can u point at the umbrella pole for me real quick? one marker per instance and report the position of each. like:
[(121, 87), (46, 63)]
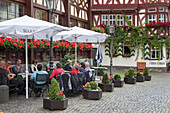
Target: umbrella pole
[(75, 50), (51, 56), (26, 54)]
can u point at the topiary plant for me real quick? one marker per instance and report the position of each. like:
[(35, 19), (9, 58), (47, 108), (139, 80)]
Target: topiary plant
[(146, 72), (130, 73), (93, 85), (105, 79), (117, 77), (53, 89), (138, 74)]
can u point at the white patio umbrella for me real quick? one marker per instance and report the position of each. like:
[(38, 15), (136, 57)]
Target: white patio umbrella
[(27, 27), (77, 34)]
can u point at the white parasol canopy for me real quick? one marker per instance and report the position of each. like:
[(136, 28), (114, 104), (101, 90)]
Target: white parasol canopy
[(77, 34), (27, 27)]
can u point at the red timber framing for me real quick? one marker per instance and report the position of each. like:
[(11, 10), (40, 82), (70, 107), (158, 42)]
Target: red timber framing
[(141, 11)]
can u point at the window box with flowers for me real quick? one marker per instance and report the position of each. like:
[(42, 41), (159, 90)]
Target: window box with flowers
[(56, 99), (92, 91), (129, 77), (117, 80), (106, 84)]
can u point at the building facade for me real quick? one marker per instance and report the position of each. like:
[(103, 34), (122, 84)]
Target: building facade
[(68, 13), (108, 12)]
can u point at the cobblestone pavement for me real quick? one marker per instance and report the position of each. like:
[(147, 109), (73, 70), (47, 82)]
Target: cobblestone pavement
[(148, 97)]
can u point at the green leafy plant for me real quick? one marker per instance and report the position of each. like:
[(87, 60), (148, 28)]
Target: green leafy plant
[(54, 91), (106, 79), (2, 57), (117, 77), (64, 60), (130, 73), (138, 74), (91, 86), (146, 72)]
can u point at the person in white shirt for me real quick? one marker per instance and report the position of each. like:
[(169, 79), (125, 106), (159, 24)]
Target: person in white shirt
[(34, 66)]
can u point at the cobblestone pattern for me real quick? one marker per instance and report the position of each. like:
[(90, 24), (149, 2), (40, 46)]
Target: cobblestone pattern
[(148, 97)]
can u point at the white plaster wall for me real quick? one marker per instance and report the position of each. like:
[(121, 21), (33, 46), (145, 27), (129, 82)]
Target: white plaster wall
[(130, 62)]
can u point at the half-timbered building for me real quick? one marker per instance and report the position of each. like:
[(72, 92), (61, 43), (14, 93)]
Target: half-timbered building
[(68, 13), (109, 12)]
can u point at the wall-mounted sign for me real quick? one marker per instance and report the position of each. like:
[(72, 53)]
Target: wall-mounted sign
[(157, 63)]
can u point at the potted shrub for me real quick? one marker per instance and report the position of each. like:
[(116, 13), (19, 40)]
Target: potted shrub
[(146, 74), (92, 91), (106, 84), (56, 99), (117, 81), (139, 77), (129, 77)]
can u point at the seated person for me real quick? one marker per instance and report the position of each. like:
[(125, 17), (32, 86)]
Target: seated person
[(18, 68), (57, 71), (69, 66), (48, 66), (8, 63), (87, 68), (11, 79), (82, 69), (78, 63), (75, 69), (33, 77), (34, 66)]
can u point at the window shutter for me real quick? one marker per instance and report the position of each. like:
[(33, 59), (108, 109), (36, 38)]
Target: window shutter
[(147, 52), (107, 49), (120, 49)]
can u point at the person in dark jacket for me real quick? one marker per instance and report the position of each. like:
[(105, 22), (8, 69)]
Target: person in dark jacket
[(82, 69), (69, 66)]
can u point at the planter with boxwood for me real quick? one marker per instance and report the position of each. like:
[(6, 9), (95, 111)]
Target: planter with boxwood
[(92, 91), (56, 99), (117, 81), (146, 74), (106, 84), (139, 77), (129, 77)]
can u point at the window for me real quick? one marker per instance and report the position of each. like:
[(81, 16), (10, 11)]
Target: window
[(155, 52), (112, 19), (119, 20), (105, 19), (130, 19), (61, 20), (40, 14), (56, 19), (161, 17), (152, 18), (82, 24), (126, 50), (72, 23), (10, 10), (161, 9), (166, 17), (152, 10)]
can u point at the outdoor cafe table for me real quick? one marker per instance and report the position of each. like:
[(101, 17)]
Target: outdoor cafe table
[(97, 69), (22, 76)]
